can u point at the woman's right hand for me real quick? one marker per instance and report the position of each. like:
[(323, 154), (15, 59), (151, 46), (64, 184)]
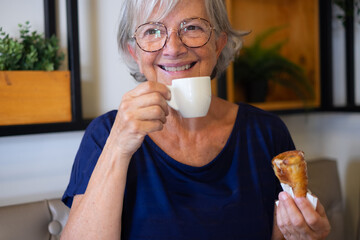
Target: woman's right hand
[(142, 110), (97, 213)]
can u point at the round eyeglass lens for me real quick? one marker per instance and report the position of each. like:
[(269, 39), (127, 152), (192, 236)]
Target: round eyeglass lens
[(195, 32), (151, 36)]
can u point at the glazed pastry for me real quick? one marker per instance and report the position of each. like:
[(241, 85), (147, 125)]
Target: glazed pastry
[(290, 168)]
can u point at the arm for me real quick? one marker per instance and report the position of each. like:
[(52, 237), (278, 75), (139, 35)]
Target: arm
[(297, 219), (97, 213)]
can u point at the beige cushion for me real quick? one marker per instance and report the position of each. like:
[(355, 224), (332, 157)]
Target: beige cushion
[(358, 230), (325, 184), (33, 221)]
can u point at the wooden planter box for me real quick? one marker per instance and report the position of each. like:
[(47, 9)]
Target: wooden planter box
[(33, 97)]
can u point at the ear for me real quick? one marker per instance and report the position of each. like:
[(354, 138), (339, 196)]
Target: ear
[(132, 52), (221, 43)]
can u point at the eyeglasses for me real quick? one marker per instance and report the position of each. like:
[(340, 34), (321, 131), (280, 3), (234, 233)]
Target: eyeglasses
[(193, 33)]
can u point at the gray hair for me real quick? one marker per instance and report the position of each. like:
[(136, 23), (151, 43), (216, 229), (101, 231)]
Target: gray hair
[(135, 12)]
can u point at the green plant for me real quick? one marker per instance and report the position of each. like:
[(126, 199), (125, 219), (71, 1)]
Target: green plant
[(256, 65), (348, 11), (31, 52)]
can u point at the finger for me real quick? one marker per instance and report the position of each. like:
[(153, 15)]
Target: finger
[(151, 99), (297, 226), (140, 128), (132, 107), (311, 217), (326, 228), (148, 87), (151, 113), (282, 216), (152, 126), (297, 219), (315, 219), (133, 118), (284, 223)]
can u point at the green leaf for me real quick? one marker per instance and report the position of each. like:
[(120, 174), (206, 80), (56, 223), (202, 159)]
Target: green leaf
[(31, 52), (264, 64)]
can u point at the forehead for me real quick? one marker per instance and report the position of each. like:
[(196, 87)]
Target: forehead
[(178, 10)]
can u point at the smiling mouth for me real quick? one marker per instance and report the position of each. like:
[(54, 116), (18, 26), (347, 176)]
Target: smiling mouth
[(177, 69)]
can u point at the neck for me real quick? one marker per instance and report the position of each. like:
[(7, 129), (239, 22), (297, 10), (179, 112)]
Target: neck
[(196, 141), (178, 125), (175, 120)]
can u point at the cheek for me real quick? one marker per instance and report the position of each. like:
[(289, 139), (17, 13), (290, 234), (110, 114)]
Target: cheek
[(212, 58), (213, 54)]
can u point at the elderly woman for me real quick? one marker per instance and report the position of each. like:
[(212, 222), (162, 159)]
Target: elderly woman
[(145, 172)]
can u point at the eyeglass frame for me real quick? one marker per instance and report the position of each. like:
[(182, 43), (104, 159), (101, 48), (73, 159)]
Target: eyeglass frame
[(178, 33)]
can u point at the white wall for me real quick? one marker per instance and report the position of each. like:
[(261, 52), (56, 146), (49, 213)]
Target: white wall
[(37, 166)]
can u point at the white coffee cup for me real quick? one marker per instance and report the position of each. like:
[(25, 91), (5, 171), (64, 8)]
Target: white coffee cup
[(191, 96)]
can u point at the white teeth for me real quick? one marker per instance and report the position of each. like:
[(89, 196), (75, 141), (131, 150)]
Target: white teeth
[(176, 69)]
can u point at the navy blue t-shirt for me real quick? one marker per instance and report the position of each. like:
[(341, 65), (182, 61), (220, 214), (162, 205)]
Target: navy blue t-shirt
[(232, 197)]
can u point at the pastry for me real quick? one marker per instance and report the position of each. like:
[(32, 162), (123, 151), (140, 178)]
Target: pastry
[(290, 168)]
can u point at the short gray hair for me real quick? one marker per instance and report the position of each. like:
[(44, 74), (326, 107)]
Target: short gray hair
[(135, 12)]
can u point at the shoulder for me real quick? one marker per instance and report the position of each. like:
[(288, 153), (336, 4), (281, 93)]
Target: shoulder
[(87, 155), (265, 126), (251, 110), (104, 121), (96, 134), (256, 115), (101, 125)]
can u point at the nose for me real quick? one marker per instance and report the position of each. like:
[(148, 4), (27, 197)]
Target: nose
[(174, 45)]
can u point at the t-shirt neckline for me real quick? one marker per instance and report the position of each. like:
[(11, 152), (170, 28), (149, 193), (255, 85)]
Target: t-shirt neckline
[(205, 167)]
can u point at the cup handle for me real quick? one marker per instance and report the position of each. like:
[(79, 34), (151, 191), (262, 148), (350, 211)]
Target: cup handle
[(172, 102)]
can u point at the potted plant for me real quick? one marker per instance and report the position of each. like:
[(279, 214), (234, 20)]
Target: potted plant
[(347, 10), (32, 90), (257, 65)]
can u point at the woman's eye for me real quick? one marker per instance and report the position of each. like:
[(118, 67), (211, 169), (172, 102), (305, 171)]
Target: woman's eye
[(152, 32), (192, 28)]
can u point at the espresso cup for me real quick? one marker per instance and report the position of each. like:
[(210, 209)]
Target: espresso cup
[(191, 96)]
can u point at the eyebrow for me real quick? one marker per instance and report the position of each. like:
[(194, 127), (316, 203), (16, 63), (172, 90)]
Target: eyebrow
[(190, 18)]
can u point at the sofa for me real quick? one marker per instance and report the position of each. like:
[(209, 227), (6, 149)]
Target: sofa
[(325, 184), (45, 219), (33, 221)]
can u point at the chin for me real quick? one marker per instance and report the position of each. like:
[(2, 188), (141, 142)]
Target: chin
[(169, 76)]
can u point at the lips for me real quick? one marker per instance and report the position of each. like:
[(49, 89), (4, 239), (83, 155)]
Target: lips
[(177, 68)]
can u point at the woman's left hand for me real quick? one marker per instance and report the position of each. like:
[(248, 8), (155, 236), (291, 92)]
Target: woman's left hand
[(297, 219)]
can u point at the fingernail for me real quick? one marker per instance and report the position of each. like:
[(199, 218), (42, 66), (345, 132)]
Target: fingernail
[(299, 200), (283, 196)]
